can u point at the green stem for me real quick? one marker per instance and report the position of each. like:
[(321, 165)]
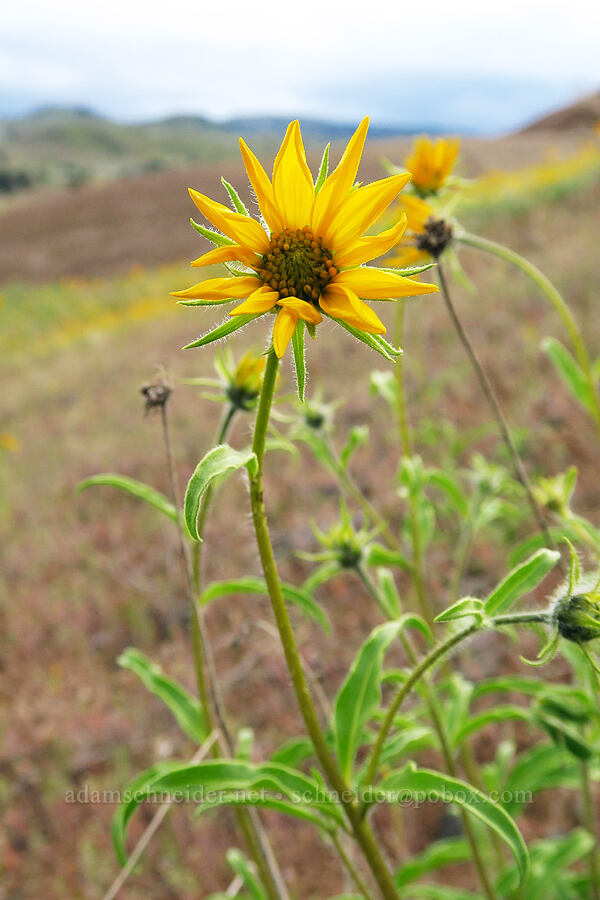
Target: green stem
[(248, 821), (590, 824), (555, 298), (490, 395), (435, 656), (418, 574), (351, 868), (362, 832)]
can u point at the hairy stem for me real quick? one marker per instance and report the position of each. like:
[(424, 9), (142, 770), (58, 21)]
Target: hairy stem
[(361, 830), (248, 821), (490, 395)]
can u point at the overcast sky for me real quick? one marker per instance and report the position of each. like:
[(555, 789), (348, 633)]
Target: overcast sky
[(459, 63)]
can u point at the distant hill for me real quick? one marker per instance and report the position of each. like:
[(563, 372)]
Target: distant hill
[(71, 146), (584, 114)]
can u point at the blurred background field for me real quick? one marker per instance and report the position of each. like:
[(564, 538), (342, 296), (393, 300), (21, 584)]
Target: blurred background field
[(85, 318)]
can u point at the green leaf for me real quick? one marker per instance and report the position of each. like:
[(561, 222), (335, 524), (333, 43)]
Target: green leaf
[(504, 713), (218, 239), (543, 767), (407, 271), (389, 593), (360, 694), (570, 372), (240, 865), (538, 541), (299, 360), (226, 328), (181, 703), (221, 460), (437, 855), (521, 580), (441, 892), (384, 384), (252, 585), (230, 781), (564, 734), (357, 437), (444, 482), (323, 170), (378, 555), (135, 489), (205, 302), (293, 752), (550, 861), (236, 202), (467, 606), (452, 790), (374, 341)]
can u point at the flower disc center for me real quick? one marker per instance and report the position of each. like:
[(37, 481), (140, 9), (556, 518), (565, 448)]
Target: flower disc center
[(297, 265)]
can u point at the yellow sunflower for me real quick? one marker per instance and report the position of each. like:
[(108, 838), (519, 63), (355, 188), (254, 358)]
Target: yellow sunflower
[(431, 162), (308, 258), (426, 235)]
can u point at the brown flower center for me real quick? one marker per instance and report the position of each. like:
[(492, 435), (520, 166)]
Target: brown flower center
[(435, 237), (297, 265)]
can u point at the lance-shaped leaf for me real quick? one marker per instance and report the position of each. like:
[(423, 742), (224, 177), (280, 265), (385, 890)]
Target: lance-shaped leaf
[(467, 606), (135, 489), (323, 170), (437, 855), (521, 580), (240, 865), (252, 585), (214, 782), (218, 239), (221, 460), (226, 328), (299, 358), (180, 702), (360, 694), (570, 372), (236, 201), (374, 341), (412, 780)]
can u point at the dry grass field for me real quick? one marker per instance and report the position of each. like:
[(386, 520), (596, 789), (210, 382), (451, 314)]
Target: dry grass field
[(84, 576)]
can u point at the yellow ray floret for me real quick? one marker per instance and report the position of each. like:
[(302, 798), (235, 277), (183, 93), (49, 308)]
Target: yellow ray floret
[(311, 259), (431, 162)]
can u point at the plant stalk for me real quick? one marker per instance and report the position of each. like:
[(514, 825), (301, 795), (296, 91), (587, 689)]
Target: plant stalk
[(490, 395), (248, 821), (361, 829)]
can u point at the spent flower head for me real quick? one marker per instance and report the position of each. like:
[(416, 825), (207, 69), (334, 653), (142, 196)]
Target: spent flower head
[(431, 163), (306, 258), (427, 233)]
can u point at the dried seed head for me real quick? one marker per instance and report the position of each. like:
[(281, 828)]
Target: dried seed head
[(435, 237), (157, 392)]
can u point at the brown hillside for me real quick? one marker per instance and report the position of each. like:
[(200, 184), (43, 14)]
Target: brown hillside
[(584, 114)]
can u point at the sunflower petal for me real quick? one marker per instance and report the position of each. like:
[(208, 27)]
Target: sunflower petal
[(373, 284), (262, 188), (262, 300), (339, 184), (364, 205), (301, 308), (219, 288), (242, 229), (293, 187), (226, 254), (364, 249), (342, 303), (283, 329)]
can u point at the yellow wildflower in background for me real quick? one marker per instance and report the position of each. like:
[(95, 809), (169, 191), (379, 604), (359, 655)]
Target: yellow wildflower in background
[(426, 236), (311, 259), (431, 162), (9, 442)]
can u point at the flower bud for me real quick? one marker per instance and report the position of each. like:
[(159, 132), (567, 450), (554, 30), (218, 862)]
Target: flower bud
[(244, 381), (578, 617)]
